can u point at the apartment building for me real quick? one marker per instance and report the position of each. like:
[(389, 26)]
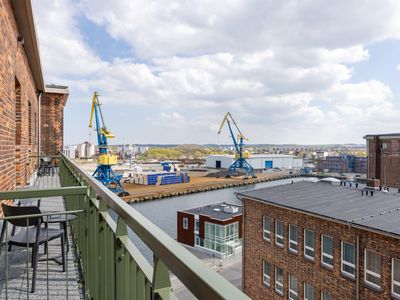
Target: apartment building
[(30, 112), (343, 164), (215, 229), (321, 241), (383, 158)]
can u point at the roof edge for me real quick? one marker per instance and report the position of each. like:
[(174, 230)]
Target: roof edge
[(26, 24)]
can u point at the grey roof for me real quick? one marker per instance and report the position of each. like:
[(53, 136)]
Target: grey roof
[(210, 211), (380, 211), (383, 135)]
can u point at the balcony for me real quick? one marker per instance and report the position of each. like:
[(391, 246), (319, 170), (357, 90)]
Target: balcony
[(102, 263)]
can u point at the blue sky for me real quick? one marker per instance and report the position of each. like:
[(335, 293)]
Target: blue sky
[(168, 73)]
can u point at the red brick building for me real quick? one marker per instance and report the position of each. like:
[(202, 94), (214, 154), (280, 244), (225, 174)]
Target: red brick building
[(320, 241), (21, 90), (214, 229), (383, 152)]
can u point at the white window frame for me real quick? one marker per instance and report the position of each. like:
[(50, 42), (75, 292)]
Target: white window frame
[(322, 295), (293, 291), (371, 272), (277, 236), (395, 282), (308, 247), (185, 223), (346, 262), (267, 232), (267, 276), (305, 283), (293, 241), (277, 283), (325, 254)]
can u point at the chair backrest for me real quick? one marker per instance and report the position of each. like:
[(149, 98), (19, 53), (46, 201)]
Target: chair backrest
[(12, 211)]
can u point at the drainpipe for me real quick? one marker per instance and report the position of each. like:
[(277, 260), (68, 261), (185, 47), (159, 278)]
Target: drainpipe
[(39, 126), (358, 268)]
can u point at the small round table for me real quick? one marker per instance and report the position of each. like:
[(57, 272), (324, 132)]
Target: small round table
[(62, 219)]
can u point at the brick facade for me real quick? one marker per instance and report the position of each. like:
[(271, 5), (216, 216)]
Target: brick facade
[(384, 159), (52, 123), (17, 93), (19, 111), (256, 250)]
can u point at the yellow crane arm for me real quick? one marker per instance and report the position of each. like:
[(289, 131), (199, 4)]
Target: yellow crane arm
[(223, 122), (92, 111), (225, 119)]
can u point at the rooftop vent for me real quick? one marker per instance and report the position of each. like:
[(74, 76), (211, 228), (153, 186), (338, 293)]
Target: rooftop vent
[(216, 209), (231, 209)]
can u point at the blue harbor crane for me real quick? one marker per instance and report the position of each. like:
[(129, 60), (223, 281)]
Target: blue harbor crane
[(104, 172), (241, 154)]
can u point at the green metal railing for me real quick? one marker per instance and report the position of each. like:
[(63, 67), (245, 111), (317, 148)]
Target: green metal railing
[(113, 268), (33, 193)]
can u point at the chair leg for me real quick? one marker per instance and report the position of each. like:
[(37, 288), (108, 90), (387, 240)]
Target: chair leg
[(35, 249), (3, 232), (33, 257), (63, 251), (46, 244), (64, 226)]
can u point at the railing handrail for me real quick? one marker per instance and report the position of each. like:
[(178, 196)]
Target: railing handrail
[(42, 193), (53, 213), (197, 277)]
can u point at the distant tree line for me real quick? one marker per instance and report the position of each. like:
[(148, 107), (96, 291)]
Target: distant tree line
[(176, 153)]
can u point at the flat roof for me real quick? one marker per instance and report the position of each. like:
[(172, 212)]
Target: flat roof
[(382, 136), (344, 204), (216, 211), (258, 156)]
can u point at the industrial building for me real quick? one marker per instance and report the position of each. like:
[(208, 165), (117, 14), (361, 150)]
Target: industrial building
[(215, 229), (383, 158), (321, 241), (258, 162)]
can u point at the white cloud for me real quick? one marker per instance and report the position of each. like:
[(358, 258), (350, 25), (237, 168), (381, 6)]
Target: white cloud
[(282, 68)]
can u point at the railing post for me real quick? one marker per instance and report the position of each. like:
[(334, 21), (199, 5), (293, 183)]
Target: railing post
[(161, 281), (120, 260)]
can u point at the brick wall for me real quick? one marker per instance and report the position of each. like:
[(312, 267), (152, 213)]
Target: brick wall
[(256, 249), (52, 123), (19, 109), (17, 89), (384, 160)]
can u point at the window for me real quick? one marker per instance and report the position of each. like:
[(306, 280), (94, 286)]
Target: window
[(185, 223), (267, 273), (293, 238), (279, 280), (218, 237), (308, 292), (327, 251), (326, 296), (348, 259), (279, 233), (267, 228), (293, 287), (196, 224), (309, 244), (396, 277), (372, 268)]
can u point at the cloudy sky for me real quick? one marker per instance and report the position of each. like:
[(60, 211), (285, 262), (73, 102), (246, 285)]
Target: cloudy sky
[(306, 72)]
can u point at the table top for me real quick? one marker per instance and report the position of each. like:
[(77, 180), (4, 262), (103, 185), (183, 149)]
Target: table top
[(59, 218)]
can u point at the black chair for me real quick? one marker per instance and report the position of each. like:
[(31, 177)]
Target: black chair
[(31, 237)]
